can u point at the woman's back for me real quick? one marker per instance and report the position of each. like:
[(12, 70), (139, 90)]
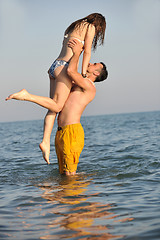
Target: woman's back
[(79, 34)]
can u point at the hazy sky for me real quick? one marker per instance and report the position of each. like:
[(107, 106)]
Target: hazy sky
[(31, 34)]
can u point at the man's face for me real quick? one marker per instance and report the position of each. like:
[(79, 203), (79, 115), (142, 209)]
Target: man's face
[(92, 67)]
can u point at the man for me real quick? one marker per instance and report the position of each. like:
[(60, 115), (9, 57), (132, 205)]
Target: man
[(69, 140)]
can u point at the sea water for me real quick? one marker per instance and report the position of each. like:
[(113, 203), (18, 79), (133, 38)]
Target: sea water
[(114, 195)]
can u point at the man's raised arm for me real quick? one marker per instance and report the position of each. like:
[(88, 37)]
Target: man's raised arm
[(72, 69)]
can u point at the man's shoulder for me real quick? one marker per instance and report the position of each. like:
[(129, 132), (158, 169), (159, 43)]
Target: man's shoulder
[(90, 85)]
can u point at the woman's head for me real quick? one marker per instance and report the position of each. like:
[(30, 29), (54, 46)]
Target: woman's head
[(98, 20)]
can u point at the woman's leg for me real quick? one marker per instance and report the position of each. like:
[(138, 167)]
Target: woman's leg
[(45, 102), (63, 86), (48, 126)]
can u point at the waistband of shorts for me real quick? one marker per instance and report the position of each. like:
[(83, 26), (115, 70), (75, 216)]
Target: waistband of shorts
[(68, 126)]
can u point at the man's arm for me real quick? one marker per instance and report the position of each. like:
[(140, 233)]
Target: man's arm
[(72, 69)]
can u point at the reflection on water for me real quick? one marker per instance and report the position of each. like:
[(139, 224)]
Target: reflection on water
[(63, 208), (76, 213)]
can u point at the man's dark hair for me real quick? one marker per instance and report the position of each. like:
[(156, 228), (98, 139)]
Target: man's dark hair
[(103, 75)]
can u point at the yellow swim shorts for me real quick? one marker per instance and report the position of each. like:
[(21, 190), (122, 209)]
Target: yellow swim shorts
[(69, 143)]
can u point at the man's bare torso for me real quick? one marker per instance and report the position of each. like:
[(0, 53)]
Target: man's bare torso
[(77, 101)]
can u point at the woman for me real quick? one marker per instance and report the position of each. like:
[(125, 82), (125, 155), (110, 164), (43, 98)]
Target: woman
[(89, 31)]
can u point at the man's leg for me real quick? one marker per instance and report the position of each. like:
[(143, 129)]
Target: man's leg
[(70, 173), (70, 143), (76, 135)]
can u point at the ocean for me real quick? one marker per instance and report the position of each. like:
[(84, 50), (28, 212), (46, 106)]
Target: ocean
[(114, 195)]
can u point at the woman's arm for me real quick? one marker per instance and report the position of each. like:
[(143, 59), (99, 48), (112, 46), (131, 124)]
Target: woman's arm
[(72, 69), (87, 47)]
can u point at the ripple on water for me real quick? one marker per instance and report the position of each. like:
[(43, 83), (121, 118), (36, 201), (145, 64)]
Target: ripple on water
[(115, 194)]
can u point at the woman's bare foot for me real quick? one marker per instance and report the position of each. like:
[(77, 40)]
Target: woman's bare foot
[(45, 148), (21, 95)]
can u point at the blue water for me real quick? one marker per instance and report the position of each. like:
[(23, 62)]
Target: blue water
[(115, 194)]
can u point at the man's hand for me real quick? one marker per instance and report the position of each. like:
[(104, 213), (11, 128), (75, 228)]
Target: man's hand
[(76, 46)]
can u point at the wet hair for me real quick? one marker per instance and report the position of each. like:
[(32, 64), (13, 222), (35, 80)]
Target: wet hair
[(98, 20), (103, 74)]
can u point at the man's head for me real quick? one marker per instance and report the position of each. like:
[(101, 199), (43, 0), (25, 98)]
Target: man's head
[(98, 71)]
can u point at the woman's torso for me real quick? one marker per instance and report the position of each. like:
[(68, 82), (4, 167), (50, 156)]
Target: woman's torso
[(79, 34)]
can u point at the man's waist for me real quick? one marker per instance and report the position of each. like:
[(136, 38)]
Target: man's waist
[(67, 126)]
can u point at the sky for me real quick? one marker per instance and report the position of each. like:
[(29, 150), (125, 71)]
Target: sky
[(31, 34)]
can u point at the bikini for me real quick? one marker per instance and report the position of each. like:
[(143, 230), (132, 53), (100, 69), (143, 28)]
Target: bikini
[(66, 36), (58, 63), (55, 64)]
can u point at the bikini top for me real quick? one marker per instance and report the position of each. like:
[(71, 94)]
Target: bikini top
[(66, 36)]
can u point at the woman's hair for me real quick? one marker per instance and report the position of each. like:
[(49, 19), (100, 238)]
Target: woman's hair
[(98, 20)]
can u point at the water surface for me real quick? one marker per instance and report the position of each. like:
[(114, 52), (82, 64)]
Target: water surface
[(115, 194)]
